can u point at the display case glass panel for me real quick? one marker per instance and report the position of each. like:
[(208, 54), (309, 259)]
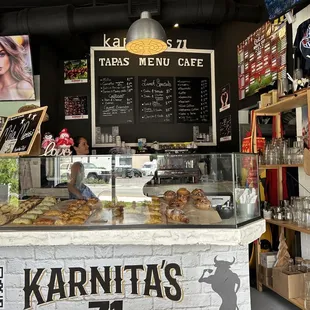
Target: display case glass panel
[(129, 191)]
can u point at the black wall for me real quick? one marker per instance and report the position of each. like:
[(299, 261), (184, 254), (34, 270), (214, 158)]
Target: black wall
[(54, 52), (227, 37)]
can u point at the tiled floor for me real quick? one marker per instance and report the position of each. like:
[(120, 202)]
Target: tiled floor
[(268, 300)]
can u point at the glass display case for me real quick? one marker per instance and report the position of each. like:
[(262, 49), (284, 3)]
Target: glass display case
[(132, 191)]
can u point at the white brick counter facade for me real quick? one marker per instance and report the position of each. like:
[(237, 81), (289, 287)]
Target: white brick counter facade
[(222, 264), (184, 236)]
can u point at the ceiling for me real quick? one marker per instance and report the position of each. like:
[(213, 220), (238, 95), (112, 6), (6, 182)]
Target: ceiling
[(61, 17), (19, 4)]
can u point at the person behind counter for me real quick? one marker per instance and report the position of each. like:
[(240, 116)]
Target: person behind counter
[(80, 146), (77, 189)]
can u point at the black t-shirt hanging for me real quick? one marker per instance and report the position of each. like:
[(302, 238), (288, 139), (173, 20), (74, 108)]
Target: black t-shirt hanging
[(302, 45)]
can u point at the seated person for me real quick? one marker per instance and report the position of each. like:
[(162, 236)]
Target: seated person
[(77, 189)]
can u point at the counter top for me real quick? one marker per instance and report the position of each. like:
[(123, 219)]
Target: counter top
[(184, 236)]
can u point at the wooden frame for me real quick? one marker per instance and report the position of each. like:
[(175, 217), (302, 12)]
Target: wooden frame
[(34, 147)]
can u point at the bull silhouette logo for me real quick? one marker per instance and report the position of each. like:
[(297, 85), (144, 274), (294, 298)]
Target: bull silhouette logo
[(224, 282)]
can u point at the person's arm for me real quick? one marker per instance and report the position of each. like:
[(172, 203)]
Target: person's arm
[(71, 185)]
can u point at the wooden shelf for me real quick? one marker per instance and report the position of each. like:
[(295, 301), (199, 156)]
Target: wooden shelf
[(288, 103), (280, 166), (298, 302), (289, 225)]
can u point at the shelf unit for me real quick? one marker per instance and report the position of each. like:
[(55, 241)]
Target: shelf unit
[(289, 225), (299, 302), (288, 103)]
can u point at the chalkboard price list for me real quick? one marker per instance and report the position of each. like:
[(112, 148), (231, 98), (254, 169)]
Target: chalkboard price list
[(193, 100), (116, 99), (156, 99)]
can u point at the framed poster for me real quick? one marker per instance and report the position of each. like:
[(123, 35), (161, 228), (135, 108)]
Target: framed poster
[(75, 71), (225, 98), (262, 59), (75, 107), (225, 129)]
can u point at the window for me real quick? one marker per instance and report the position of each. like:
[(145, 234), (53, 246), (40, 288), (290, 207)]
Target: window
[(125, 161)]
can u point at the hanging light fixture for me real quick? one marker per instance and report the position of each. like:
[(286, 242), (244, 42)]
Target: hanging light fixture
[(146, 36)]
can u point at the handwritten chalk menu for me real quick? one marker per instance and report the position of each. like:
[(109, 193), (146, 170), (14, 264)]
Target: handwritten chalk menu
[(116, 100), (192, 100), (156, 99), (20, 132)]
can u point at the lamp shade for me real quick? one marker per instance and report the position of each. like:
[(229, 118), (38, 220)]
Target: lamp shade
[(146, 36)]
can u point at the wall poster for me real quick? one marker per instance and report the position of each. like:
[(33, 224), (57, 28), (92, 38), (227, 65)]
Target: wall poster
[(225, 98), (262, 59), (75, 71), (75, 107), (225, 129)]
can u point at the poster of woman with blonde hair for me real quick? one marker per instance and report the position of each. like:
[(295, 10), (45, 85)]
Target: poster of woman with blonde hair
[(16, 79)]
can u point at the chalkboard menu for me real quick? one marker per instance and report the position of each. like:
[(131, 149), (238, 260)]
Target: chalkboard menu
[(20, 131), (170, 93), (156, 102), (116, 100), (192, 100)]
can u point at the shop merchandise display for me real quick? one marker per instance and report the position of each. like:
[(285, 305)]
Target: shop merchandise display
[(64, 140), (295, 211), (283, 255), (47, 140), (279, 151)]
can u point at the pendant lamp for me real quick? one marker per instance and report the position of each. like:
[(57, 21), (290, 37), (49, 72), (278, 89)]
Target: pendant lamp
[(146, 36)]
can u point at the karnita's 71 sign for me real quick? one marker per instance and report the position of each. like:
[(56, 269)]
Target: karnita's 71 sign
[(103, 280)]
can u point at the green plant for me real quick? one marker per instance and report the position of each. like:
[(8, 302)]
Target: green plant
[(9, 173)]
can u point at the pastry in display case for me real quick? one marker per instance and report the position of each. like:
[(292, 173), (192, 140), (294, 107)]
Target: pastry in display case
[(210, 190)]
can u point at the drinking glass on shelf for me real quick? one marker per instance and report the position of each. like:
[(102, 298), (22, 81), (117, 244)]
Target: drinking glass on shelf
[(306, 206), (267, 154), (297, 209), (285, 152)]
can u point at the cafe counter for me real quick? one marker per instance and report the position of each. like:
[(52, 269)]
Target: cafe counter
[(128, 269)]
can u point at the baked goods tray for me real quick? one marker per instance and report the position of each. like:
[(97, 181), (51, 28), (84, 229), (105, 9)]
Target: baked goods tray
[(60, 207)]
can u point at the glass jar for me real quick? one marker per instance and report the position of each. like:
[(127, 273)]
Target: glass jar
[(298, 263)]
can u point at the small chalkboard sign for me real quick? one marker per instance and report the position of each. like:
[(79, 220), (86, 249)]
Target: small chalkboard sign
[(193, 99), (20, 134), (156, 99), (116, 100)]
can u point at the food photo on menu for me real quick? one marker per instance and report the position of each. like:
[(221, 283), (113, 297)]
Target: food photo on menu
[(75, 71), (75, 107), (16, 76)]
